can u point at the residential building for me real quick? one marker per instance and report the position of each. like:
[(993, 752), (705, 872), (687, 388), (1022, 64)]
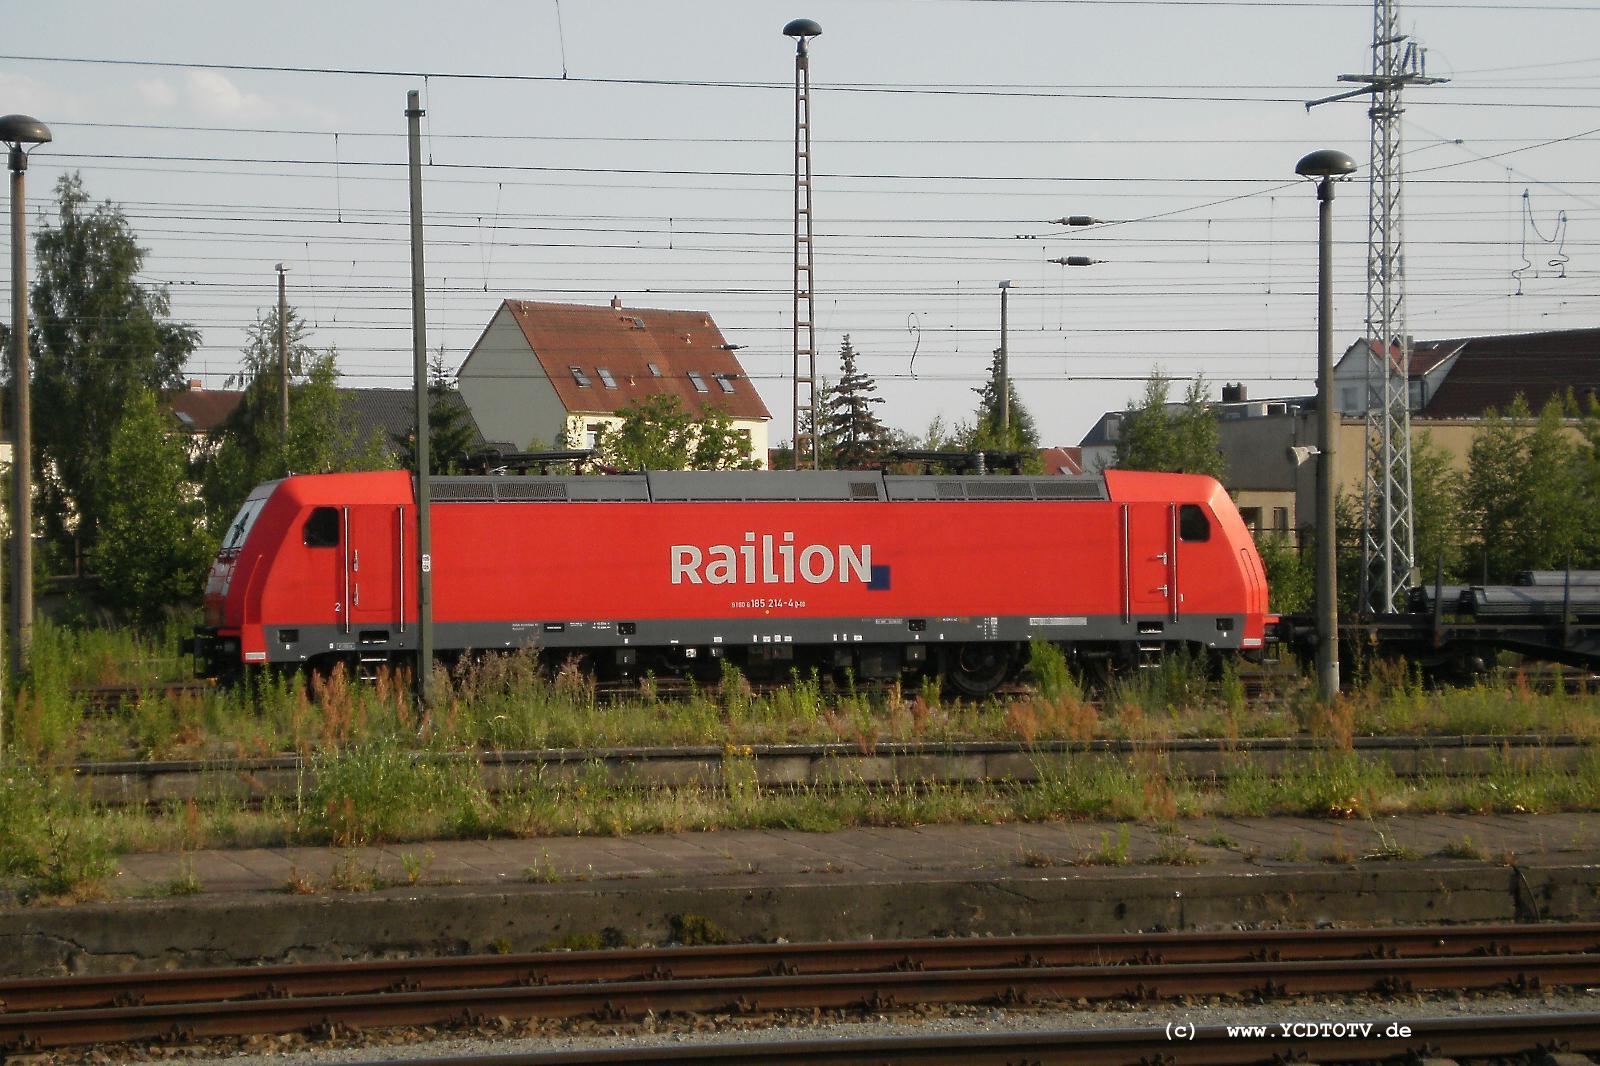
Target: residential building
[(547, 372), (1452, 385), (387, 415), (390, 415), (1062, 461), (1465, 377), (200, 412)]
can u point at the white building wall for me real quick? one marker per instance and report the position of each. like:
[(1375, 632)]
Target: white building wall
[(506, 389)]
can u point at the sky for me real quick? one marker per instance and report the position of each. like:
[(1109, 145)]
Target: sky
[(579, 149)]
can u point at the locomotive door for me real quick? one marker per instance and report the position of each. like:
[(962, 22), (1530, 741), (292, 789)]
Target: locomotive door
[(1149, 560), (372, 565)]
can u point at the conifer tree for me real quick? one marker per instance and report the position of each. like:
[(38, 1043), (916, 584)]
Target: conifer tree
[(1021, 435), (851, 431), (450, 435)]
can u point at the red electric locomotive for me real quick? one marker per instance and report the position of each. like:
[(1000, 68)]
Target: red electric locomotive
[(673, 571)]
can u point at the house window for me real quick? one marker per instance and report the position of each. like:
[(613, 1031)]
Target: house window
[(698, 382), (1349, 403), (1252, 518), (606, 378), (580, 377), (1280, 519), (655, 371), (725, 381), (591, 434)]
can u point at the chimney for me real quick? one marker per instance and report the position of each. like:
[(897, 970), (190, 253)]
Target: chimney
[(196, 384), (1234, 393), (616, 303)]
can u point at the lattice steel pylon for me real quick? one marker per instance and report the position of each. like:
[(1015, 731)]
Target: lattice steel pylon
[(805, 320), (1388, 539)]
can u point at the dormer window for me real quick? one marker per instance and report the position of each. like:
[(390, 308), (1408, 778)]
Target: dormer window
[(725, 382), (698, 382), (580, 377), (606, 378), (655, 371)]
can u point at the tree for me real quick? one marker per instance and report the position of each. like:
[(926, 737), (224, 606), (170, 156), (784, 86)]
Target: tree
[(986, 433), (152, 551), (1187, 441), (1291, 573), (1436, 511), (1588, 414), (656, 433), (1524, 492), (250, 448), (450, 434), (100, 338), (854, 435)]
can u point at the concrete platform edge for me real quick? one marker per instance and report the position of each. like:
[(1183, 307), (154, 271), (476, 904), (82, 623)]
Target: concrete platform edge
[(261, 928)]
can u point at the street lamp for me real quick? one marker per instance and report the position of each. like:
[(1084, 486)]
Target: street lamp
[(17, 131), (1326, 167), (804, 318)]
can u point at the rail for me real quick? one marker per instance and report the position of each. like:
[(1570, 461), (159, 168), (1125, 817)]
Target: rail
[(874, 976)]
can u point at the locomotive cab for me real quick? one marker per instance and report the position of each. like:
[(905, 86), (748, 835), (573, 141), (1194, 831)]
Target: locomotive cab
[(309, 567)]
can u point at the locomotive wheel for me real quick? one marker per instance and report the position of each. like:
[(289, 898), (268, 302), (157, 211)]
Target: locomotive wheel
[(976, 670)]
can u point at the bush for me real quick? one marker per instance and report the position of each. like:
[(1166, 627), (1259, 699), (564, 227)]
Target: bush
[(50, 844)]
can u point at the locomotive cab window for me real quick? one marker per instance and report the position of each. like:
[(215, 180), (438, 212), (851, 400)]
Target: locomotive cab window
[(322, 528), (1193, 525)]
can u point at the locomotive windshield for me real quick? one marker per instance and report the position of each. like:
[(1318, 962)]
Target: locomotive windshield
[(239, 528)]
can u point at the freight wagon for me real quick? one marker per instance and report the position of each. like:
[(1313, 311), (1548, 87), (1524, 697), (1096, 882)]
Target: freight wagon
[(881, 575)]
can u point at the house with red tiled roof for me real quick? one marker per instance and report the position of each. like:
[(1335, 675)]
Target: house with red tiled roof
[(543, 372), (199, 410), (1430, 363), (1063, 461), (1467, 376)]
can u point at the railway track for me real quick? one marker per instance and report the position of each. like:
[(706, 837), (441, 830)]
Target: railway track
[(745, 979), (253, 780)]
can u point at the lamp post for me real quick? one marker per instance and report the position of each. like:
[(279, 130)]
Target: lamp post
[(804, 317), (17, 131), (1326, 167)]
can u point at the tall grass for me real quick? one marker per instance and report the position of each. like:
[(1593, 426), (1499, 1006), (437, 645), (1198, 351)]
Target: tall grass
[(511, 701), (49, 845)]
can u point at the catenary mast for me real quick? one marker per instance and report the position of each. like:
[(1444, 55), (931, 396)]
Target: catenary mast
[(1388, 539)]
